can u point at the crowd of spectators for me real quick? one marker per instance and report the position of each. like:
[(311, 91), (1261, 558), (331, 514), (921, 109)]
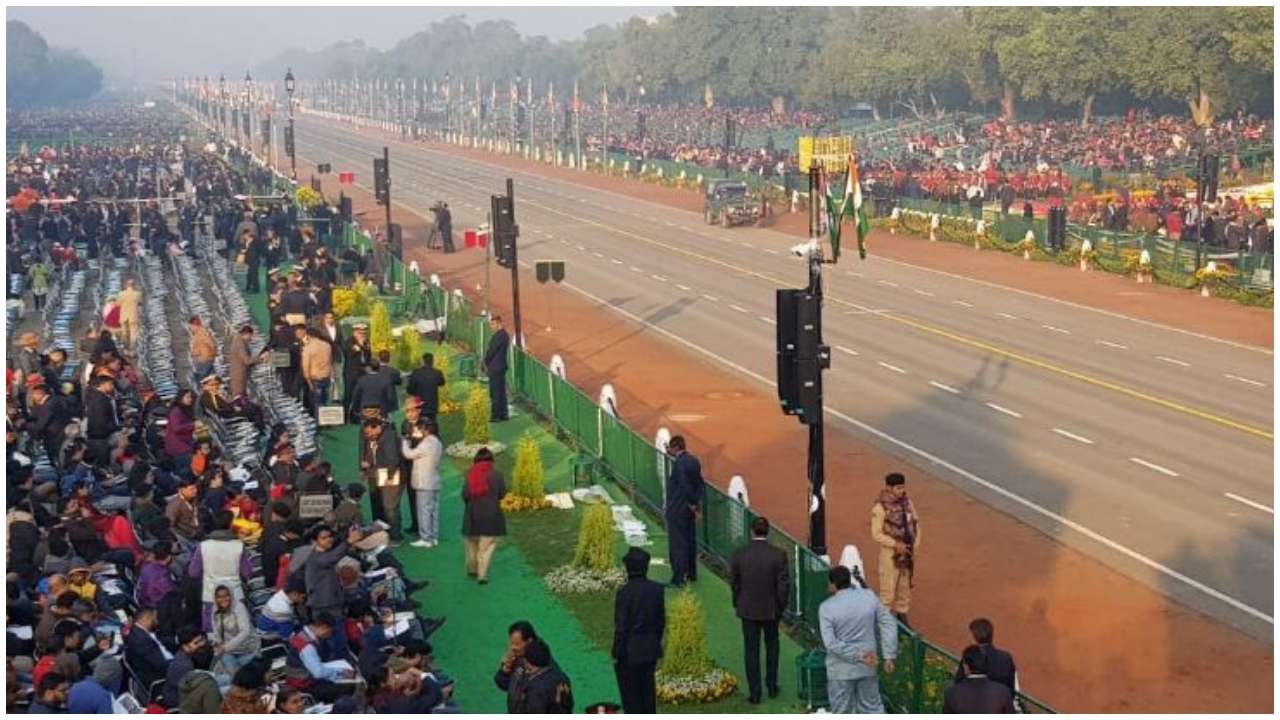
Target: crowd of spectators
[(147, 566)]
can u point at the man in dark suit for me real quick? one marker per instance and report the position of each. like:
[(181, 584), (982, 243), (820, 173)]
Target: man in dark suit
[(424, 384), (356, 356), (495, 366), (977, 694), (1000, 666), (685, 489), (147, 657), (639, 619), (100, 412), (758, 579)]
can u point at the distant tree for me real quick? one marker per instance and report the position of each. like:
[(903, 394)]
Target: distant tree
[(1214, 59), (27, 63), (39, 75)]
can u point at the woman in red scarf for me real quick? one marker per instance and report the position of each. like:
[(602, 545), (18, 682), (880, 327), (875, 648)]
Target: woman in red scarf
[(482, 519)]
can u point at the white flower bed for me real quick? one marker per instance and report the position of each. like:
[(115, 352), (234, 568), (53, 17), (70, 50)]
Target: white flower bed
[(462, 449), (570, 580), (714, 686)]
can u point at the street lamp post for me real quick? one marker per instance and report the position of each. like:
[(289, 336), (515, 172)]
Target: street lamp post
[(222, 103), (246, 116), (293, 138)]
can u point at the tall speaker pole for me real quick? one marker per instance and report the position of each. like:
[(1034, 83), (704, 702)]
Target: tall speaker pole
[(816, 468), (515, 271)]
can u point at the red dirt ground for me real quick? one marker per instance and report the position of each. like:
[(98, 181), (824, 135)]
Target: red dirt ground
[(1087, 639)]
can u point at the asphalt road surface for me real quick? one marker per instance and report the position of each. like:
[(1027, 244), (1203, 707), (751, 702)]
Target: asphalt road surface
[(1147, 447)]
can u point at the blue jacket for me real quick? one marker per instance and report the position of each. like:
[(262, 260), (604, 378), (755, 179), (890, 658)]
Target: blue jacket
[(685, 485), (87, 697), (848, 621), (495, 356)]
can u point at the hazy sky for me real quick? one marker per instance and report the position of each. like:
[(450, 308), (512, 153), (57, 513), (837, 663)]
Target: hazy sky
[(160, 42)]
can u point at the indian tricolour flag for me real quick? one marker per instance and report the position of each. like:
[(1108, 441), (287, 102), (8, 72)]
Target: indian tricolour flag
[(852, 207)]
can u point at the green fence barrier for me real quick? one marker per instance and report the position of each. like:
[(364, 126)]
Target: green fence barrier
[(1172, 261), (922, 671)]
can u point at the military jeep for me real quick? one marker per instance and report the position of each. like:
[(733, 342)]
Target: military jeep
[(727, 203)]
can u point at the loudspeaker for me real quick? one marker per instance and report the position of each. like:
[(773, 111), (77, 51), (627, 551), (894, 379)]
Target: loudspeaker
[(809, 358), (381, 183), (786, 316), (344, 210), (1208, 180)]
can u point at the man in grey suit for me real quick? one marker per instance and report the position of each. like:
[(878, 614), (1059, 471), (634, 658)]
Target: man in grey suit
[(848, 621)]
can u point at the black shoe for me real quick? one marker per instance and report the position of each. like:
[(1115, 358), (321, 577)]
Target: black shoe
[(674, 585), (753, 700), (431, 625), (484, 581), (414, 586), (774, 692)]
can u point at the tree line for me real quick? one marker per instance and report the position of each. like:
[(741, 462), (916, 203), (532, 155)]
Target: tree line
[(918, 61), (40, 75)]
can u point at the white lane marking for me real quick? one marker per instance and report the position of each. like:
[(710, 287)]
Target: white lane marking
[(685, 228), (1007, 316), (686, 288), (887, 282), (748, 245), (846, 351), (615, 261), (564, 242), (583, 248), (738, 308), (1173, 361), (1237, 378), (1078, 306), (1002, 409), (926, 293), (941, 386), (597, 254), (771, 251), (856, 274), (1073, 436), (894, 368), (712, 298), (1110, 344), (1250, 503), (1153, 466), (769, 320), (961, 303), (1031, 505), (553, 237), (636, 269), (659, 278), (1052, 328), (978, 480)]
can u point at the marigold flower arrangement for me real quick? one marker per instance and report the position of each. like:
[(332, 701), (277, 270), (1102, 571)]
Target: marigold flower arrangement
[(687, 674)]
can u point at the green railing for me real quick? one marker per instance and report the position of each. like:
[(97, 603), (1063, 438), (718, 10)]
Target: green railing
[(639, 468), (1172, 262)]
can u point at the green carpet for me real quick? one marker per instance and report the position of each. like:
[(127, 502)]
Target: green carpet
[(578, 629)]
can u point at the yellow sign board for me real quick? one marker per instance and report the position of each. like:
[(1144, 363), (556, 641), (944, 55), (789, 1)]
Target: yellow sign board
[(832, 153)]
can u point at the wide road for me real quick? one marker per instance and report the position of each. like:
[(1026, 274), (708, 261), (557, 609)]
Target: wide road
[(1148, 447)]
